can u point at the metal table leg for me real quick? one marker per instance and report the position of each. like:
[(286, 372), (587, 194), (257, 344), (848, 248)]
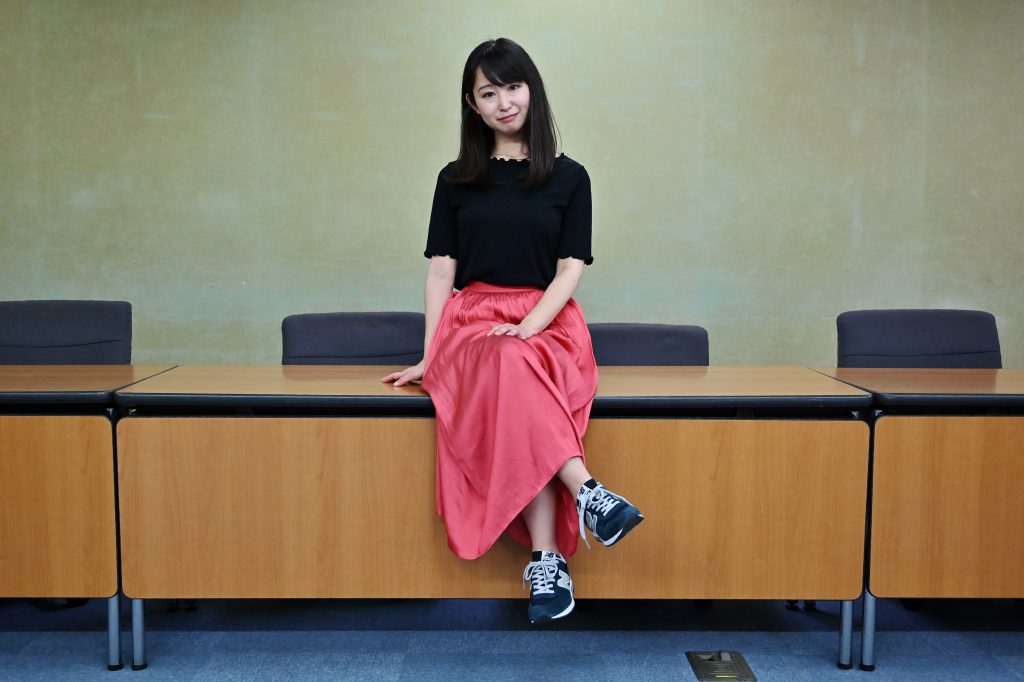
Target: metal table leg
[(845, 634), (114, 633), (138, 636), (867, 647)]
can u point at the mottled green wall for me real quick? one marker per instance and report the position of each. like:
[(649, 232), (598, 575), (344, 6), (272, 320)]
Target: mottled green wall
[(757, 166)]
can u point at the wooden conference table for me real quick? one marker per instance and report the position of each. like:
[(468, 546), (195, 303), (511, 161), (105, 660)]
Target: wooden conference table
[(58, 533), (318, 482), (948, 485)]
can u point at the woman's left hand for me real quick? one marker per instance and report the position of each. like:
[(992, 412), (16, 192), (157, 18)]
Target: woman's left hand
[(521, 330)]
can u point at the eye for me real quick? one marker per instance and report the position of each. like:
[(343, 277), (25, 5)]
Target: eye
[(488, 94), (515, 86)]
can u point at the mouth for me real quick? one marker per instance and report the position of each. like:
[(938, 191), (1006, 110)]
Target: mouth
[(509, 118)]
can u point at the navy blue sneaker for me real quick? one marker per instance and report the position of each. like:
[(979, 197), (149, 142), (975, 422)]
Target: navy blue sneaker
[(550, 587), (608, 516)]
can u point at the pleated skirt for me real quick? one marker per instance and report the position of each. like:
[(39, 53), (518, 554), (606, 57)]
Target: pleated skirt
[(510, 413)]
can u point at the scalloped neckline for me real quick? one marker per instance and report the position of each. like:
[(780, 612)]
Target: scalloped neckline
[(495, 158)]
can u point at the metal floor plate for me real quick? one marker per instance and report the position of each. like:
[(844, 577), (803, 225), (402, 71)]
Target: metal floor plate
[(716, 666)]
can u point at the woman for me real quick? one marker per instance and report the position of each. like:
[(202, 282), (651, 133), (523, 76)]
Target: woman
[(507, 357)]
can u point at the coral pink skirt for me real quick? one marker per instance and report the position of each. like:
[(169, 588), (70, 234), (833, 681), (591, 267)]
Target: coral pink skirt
[(510, 413)]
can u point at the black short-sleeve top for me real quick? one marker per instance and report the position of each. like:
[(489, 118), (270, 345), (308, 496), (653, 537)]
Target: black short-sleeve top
[(504, 234)]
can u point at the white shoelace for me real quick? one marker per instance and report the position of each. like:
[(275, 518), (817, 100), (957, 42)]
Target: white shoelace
[(599, 500), (541, 575)]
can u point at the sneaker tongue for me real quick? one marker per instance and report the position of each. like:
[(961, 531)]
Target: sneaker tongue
[(549, 555)]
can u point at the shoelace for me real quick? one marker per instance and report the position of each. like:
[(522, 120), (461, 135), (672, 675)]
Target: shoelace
[(541, 575), (597, 499)]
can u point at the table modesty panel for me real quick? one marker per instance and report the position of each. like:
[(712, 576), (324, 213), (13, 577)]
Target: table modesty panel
[(57, 518), (948, 507), (220, 507)]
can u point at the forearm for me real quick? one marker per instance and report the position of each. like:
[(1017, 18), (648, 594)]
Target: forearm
[(438, 289), (558, 293)]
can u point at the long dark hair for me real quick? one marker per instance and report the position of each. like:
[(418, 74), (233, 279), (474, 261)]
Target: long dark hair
[(503, 61)]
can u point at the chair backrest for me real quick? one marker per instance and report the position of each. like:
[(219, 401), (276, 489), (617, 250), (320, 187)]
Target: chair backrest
[(622, 343), (918, 338), (65, 332), (352, 339)]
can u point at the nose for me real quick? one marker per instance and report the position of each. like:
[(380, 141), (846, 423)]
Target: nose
[(504, 101)]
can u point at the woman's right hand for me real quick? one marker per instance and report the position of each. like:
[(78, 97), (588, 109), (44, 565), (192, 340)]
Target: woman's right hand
[(406, 376)]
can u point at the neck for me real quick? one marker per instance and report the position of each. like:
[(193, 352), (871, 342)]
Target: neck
[(510, 147)]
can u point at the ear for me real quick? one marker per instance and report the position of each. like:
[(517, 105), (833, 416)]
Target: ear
[(471, 103)]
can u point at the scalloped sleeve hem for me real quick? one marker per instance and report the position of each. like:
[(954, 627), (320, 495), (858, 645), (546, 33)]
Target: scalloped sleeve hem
[(587, 260)]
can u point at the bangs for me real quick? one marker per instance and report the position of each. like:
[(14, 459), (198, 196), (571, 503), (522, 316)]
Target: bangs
[(502, 68)]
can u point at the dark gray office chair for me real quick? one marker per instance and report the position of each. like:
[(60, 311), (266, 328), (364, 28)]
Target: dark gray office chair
[(65, 333), (352, 339), (918, 338), (626, 343)]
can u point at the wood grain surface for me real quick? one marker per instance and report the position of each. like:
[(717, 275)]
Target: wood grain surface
[(72, 378), (251, 507), (948, 507), (719, 381), (345, 380), (57, 526), (363, 380), (933, 381)]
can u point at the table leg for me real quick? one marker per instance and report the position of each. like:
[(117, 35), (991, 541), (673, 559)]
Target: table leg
[(114, 633), (867, 647), (845, 634), (138, 636)]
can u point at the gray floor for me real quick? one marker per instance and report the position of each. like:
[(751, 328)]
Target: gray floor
[(487, 639)]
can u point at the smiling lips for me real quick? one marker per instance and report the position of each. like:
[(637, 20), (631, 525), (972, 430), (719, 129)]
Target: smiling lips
[(508, 119)]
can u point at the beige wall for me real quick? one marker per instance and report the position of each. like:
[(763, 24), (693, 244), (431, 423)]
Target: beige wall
[(758, 167)]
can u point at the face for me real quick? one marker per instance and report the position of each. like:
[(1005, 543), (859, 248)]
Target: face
[(502, 107)]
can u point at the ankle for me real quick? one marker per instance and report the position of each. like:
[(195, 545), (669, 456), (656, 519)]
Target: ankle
[(573, 473)]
